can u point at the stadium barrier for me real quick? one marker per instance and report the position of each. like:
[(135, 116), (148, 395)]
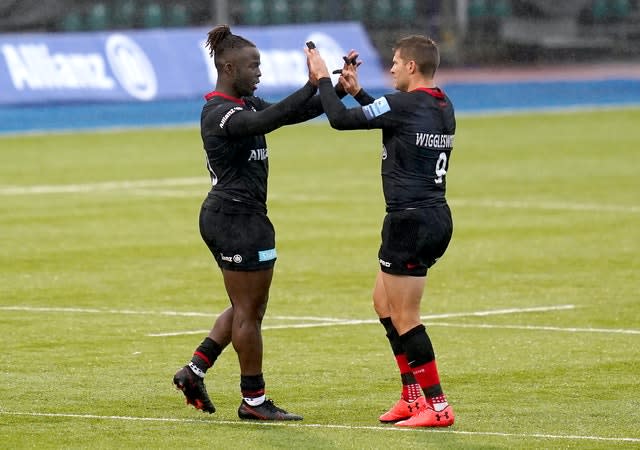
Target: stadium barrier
[(124, 79), (163, 64)]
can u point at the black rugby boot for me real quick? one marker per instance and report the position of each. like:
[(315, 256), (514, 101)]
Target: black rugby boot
[(265, 411), (193, 388)]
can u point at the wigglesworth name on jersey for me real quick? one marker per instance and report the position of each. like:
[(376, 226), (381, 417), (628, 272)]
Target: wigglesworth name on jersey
[(434, 140)]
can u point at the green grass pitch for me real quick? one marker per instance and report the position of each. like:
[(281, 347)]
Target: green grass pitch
[(106, 289)]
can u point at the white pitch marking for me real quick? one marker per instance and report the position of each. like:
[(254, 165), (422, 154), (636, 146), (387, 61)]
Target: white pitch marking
[(150, 313), (330, 321), (560, 206), (319, 425), (145, 187), (320, 321), (493, 312), (537, 327), (105, 129), (148, 192), (101, 186), (336, 322), (104, 311), (333, 323), (431, 324)]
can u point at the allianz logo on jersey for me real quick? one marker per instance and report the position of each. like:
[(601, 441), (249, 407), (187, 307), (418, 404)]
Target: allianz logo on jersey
[(258, 154), (36, 67)]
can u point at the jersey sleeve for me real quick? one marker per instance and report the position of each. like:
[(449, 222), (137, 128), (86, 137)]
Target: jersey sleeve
[(238, 121), (313, 108), (363, 97), (377, 114), (310, 110)]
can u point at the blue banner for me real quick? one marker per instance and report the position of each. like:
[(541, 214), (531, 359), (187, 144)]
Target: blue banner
[(163, 64)]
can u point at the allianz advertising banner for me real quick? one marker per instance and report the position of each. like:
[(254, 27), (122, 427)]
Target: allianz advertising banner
[(163, 64)]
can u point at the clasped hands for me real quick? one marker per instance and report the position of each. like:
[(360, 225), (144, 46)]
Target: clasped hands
[(348, 74)]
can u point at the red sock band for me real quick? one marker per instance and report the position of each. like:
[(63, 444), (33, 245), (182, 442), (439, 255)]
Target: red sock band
[(203, 357), (426, 374), (403, 363), (410, 389)]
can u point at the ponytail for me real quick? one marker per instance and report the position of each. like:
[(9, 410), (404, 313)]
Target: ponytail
[(221, 39), (216, 36)]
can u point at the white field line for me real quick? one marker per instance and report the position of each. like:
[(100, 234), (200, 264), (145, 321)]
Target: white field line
[(106, 129), (168, 193), (320, 321), (102, 186), (333, 321), (37, 309), (47, 309), (150, 188), (536, 328), (339, 322), (490, 312), (560, 206), (325, 426), (426, 323)]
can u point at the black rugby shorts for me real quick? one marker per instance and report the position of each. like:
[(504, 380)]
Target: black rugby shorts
[(238, 240), (414, 239)]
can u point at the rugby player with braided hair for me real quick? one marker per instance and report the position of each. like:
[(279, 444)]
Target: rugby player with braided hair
[(233, 217)]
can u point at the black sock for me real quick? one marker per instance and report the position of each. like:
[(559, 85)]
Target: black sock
[(422, 360), (252, 386), (392, 335), (206, 354), (410, 388)]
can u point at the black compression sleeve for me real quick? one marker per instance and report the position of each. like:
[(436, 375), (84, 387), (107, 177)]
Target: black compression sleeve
[(313, 108), (251, 123), (339, 116), (363, 97)]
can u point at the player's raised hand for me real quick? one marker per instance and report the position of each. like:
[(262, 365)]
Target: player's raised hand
[(317, 66), (349, 74), (351, 59)]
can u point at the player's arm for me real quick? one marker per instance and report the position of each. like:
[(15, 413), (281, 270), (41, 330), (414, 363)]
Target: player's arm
[(339, 116), (310, 110), (373, 115), (349, 80), (363, 97), (241, 122), (313, 108)]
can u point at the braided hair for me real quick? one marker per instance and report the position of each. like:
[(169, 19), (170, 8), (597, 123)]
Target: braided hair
[(221, 40)]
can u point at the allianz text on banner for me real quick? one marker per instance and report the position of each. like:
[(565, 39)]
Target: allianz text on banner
[(147, 65)]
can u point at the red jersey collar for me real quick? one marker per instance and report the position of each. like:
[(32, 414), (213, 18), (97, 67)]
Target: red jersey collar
[(434, 92), (212, 94)]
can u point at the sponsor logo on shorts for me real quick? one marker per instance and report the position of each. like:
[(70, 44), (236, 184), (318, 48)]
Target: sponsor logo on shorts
[(267, 255), (235, 258), (384, 263)]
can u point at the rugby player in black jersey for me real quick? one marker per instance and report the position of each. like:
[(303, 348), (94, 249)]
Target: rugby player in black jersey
[(418, 126), (233, 218)]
